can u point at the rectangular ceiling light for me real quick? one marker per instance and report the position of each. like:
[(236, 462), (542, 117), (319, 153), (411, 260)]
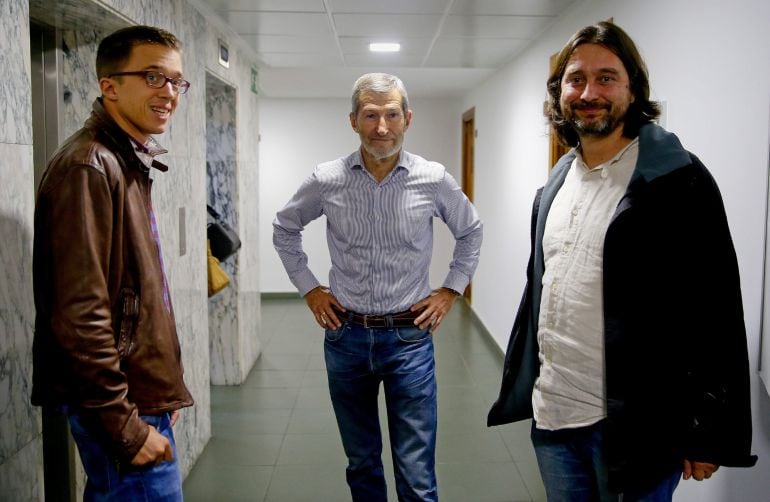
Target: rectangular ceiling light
[(384, 47)]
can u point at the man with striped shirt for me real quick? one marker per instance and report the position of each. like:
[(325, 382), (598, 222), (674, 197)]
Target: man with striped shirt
[(379, 312)]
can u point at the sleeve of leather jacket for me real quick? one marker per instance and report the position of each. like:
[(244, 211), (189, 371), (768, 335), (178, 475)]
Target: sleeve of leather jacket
[(81, 215)]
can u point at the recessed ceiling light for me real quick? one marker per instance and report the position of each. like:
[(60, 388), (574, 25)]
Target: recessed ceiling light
[(384, 47)]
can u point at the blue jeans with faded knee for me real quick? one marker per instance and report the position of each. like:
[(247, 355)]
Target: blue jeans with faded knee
[(358, 359), (108, 482), (574, 469)]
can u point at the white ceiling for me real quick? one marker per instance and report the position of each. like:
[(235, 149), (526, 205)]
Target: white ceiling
[(316, 48)]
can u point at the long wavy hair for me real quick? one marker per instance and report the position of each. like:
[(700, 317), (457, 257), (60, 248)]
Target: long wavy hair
[(612, 37)]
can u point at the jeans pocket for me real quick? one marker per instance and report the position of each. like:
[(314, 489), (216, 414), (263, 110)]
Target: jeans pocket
[(335, 335), (412, 335)]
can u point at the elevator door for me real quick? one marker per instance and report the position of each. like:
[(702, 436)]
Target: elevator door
[(59, 463)]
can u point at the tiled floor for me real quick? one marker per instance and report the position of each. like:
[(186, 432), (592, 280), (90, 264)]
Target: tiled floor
[(275, 439)]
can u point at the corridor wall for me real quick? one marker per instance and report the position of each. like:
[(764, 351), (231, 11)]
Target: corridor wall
[(708, 64)]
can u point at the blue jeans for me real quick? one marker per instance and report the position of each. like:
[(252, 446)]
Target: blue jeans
[(357, 360), (108, 482), (574, 469)]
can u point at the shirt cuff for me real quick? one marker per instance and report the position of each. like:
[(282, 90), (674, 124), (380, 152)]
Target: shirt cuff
[(456, 281), (305, 281)]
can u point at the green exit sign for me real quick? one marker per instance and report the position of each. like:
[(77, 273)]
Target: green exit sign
[(254, 86)]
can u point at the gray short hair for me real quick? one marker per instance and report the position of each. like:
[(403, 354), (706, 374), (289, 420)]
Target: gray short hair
[(379, 83)]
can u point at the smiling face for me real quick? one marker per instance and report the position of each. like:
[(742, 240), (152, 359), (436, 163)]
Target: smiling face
[(138, 109), (595, 93), (381, 124)]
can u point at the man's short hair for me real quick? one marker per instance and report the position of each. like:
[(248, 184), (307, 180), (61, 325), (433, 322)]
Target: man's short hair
[(116, 48), (379, 83), (612, 37)]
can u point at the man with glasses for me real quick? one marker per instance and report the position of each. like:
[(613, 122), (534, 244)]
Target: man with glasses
[(106, 350)]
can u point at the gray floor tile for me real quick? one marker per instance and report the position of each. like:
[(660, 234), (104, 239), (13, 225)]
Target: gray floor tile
[(252, 398), (308, 483), (207, 483), (275, 438), (313, 421), (531, 476), (257, 449), (483, 446), (481, 482), (317, 362), (314, 397), (263, 421), (274, 378), (282, 362), (315, 379), (462, 420), (315, 449)]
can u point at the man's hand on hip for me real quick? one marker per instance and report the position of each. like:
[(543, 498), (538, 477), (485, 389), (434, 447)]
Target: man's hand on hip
[(324, 307), (156, 449), (434, 308)]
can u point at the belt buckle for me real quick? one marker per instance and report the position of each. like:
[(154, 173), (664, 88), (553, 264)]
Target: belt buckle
[(366, 321)]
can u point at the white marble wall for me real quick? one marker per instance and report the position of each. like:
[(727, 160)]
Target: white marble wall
[(182, 187), (20, 427), (222, 189)]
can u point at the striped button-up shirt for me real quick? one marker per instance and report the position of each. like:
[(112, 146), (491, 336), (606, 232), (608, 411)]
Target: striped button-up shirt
[(380, 235)]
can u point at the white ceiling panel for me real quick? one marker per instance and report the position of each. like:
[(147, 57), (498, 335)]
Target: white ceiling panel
[(337, 82), (389, 6), (494, 26), (447, 45), (511, 7), (473, 52), (300, 60), (386, 25), (290, 44), (278, 23), (268, 5)]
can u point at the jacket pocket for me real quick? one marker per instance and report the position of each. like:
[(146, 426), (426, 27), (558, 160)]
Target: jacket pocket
[(129, 312)]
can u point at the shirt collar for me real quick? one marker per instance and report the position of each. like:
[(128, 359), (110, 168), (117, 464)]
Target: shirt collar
[(405, 161), (146, 153), (614, 160)]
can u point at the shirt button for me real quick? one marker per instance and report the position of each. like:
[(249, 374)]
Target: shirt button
[(575, 212)]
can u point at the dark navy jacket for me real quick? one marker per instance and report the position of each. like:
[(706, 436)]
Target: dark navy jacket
[(677, 373)]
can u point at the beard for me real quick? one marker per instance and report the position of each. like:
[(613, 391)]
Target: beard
[(597, 127), (382, 153)]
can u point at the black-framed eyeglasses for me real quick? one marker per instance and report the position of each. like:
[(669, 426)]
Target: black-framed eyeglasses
[(156, 79)]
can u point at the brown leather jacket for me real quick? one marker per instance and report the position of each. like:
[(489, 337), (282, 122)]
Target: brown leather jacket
[(105, 340)]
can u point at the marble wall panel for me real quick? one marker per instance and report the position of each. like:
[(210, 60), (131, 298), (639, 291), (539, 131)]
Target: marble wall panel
[(225, 342), (21, 476), (19, 420), (79, 85), (15, 97)]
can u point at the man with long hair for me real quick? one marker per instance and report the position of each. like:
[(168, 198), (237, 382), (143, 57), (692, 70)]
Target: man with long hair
[(629, 348)]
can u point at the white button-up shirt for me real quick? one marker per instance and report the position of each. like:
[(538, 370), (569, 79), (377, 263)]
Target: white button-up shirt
[(570, 389)]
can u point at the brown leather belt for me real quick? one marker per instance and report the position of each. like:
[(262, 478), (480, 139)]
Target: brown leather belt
[(399, 320)]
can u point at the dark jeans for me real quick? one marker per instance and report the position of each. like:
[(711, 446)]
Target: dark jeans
[(357, 360), (107, 482), (573, 468)]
